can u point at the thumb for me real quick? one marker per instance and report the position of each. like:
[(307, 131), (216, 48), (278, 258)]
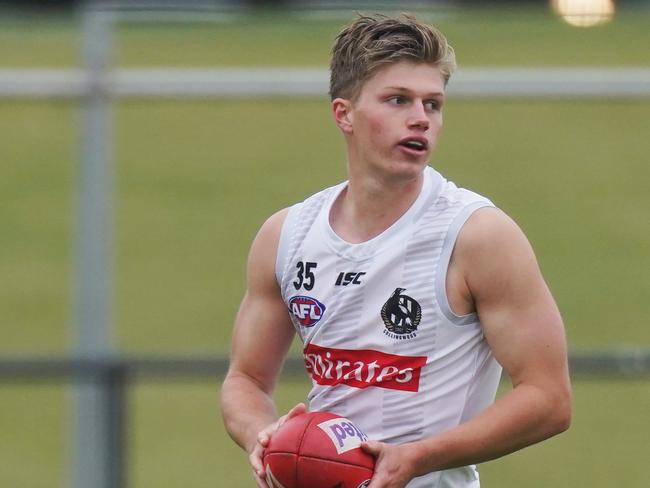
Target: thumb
[(300, 408), (372, 447)]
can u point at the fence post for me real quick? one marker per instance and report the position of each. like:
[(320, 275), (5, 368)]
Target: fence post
[(116, 418), (91, 449)]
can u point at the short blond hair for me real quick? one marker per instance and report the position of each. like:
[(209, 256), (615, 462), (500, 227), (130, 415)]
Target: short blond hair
[(371, 42)]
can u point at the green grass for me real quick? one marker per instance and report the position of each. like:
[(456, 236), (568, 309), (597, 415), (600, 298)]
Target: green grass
[(194, 180), (481, 37), (34, 444), (602, 448), (191, 204), (37, 188), (176, 438)]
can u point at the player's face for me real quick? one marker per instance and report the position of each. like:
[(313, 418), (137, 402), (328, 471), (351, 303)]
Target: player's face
[(395, 121)]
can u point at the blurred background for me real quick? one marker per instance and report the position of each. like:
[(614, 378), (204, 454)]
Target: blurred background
[(142, 144)]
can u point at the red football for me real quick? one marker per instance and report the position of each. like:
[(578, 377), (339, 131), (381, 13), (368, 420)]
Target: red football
[(318, 450)]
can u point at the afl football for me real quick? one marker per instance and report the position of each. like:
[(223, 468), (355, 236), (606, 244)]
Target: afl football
[(317, 450)]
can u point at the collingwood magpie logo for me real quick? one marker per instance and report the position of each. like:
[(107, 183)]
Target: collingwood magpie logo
[(401, 315)]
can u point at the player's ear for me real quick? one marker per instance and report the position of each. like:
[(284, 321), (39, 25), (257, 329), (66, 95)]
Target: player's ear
[(342, 111)]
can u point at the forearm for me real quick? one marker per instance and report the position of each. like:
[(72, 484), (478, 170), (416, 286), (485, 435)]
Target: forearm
[(246, 409), (524, 416)]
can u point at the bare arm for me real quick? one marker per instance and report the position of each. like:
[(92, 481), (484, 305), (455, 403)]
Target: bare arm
[(261, 338), (525, 332)]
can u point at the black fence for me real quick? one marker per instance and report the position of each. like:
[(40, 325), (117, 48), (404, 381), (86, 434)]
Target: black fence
[(625, 364)]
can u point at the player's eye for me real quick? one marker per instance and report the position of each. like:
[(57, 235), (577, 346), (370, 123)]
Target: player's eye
[(432, 105), (397, 100)]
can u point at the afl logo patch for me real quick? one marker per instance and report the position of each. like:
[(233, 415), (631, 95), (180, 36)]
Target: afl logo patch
[(401, 315), (307, 310)]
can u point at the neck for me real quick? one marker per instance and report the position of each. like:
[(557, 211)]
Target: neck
[(369, 206)]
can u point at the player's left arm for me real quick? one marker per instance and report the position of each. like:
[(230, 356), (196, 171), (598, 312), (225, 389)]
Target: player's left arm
[(524, 329)]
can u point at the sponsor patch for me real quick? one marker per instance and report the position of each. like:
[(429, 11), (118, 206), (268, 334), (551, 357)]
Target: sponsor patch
[(343, 433), (307, 310), (363, 368)]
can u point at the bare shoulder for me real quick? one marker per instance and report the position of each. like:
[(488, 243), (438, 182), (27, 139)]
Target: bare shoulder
[(496, 264), (271, 228), (489, 229), (265, 245), (491, 243)]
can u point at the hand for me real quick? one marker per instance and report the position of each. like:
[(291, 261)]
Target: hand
[(394, 467), (263, 438)]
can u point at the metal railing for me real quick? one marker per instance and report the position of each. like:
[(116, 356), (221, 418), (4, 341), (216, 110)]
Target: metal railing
[(590, 363), (575, 83)]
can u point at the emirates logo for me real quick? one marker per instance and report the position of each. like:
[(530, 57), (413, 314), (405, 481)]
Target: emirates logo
[(363, 368), (401, 315)]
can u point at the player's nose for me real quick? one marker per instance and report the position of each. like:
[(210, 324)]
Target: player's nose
[(418, 118)]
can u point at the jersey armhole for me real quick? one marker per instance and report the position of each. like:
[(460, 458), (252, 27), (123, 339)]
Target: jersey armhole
[(445, 257), (283, 244)]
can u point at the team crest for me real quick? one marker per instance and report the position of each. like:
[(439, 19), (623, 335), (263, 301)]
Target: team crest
[(401, 315)]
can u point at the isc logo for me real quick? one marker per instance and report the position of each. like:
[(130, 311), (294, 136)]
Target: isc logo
[(345, 279), (307, 310)]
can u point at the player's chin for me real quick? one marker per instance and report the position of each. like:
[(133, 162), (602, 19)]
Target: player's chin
[(409, 167)]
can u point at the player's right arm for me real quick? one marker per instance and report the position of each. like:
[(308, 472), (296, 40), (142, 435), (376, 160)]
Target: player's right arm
[(261, 338)]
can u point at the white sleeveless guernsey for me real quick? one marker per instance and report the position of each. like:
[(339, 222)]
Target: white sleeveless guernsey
[(381, 343)]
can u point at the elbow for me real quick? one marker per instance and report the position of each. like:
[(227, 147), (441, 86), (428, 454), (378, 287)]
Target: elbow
[(562, 422), (562, 412), (565, 421)]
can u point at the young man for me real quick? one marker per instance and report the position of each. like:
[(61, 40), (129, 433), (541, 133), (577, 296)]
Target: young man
[(408, 292)]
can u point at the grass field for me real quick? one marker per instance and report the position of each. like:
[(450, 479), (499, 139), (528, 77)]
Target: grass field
[(513, 36), (177, 439), (195, 179)]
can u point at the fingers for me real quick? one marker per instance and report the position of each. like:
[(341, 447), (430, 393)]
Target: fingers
[(264, 436), (261, 482), (298, 409), (392, 468), (372, 447), (255, 460), (263, 439), (257, 454)]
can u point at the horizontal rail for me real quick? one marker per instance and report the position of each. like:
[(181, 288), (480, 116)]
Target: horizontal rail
[(619, 364), (297, 82)]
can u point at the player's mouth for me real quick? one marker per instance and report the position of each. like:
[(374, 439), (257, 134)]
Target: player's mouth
[(416, 146)]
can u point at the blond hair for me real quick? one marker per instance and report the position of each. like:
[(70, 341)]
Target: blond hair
[(371, 42)]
